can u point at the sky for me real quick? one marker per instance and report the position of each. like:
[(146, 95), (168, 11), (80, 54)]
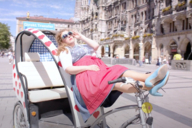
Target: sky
[(10, 9)]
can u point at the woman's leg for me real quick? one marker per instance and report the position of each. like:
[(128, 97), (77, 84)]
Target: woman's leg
[(136, 75), (129, 88)]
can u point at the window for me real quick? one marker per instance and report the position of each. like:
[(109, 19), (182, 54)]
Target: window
[(37, 46), (149, 14), (153, 12), (170, 27), (187, 23), (162, 30), (183, 27), (173, 26), (168, 2)]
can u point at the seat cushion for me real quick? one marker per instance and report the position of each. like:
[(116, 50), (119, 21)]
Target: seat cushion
[(47, 94), (41, 74), (32, 57)]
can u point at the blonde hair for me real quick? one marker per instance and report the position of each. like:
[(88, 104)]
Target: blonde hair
[(61, 44)]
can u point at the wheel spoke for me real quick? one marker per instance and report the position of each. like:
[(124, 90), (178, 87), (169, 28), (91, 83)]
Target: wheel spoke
[(19, 117)]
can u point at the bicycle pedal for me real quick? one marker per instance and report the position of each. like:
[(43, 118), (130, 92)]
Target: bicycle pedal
[(149, 120)]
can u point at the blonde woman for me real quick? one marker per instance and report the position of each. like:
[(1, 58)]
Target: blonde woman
[(92, 75)]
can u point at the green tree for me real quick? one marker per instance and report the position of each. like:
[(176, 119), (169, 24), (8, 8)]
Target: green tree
[(4, 36)]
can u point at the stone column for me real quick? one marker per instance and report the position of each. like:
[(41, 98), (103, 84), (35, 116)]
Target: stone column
[(141, 50), (122, 53), (188, 5), (166, 27), (174, 3), (111, 51), (99, 51), (153, 51), (178, 24), (131, 50), (190, 21)]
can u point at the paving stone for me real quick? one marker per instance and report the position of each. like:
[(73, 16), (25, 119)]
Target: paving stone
[(173, 110)]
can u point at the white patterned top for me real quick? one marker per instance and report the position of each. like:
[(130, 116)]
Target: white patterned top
[(74, 54)]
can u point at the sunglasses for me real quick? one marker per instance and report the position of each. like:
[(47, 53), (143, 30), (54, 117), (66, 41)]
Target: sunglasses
[(66, 35)]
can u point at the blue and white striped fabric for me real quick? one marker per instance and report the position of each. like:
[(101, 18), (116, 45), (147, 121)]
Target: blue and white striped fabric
[(38, 47)]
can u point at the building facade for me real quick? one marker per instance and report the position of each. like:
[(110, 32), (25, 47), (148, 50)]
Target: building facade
[(58, 23), (138, 28)]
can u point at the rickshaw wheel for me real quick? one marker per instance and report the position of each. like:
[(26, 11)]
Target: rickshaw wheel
[(19, 120)]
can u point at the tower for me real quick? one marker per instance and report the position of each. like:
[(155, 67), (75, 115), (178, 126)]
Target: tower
[(77, 9)]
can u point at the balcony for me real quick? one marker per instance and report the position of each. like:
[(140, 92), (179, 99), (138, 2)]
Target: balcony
[(147, 35), (168, 10), (102, 41), (127, 38), (118, 38), (190, 3), (106, 40), (135, 38), (180, 6)]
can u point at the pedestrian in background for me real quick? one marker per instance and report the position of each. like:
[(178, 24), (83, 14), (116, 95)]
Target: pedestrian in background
[(160, 60), (149, 59), (164, 60), (10, 56), (158, 64), (144, 59), (2, 54)]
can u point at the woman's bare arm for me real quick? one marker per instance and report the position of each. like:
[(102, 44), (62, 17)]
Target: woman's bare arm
[(88, 41), (78, 69)]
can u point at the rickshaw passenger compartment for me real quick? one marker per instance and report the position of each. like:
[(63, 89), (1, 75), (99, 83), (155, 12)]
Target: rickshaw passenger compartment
[(43, 80)]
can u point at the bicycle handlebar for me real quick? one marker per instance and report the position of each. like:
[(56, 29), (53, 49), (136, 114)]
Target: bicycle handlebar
[(122, 79)]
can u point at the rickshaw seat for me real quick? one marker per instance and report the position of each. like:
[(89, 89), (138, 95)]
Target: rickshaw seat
[(32, 56), (43, 80), (47, 94), (41, 74)]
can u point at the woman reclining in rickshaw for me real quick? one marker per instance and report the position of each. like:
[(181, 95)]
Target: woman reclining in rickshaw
[(92, 75)]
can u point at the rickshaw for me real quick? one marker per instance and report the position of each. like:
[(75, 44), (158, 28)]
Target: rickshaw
[(44, 89)]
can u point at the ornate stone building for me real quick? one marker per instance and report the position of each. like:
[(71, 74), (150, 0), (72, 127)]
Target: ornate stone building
[(58, 23), (138, 28), (174, 29)]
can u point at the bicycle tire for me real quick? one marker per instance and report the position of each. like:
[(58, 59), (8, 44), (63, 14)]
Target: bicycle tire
[(18, 109), (130, 121)]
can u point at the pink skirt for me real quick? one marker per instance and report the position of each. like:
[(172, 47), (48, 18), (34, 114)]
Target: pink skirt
[(93, 85)]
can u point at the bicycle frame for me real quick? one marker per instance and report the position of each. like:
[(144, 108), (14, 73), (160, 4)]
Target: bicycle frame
[(139, 103), (139, 99)]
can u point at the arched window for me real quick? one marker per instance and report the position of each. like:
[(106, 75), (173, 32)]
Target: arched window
[(168, 2)]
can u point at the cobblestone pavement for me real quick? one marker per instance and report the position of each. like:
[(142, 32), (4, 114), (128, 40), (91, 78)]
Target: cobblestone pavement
[(173, 110)]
